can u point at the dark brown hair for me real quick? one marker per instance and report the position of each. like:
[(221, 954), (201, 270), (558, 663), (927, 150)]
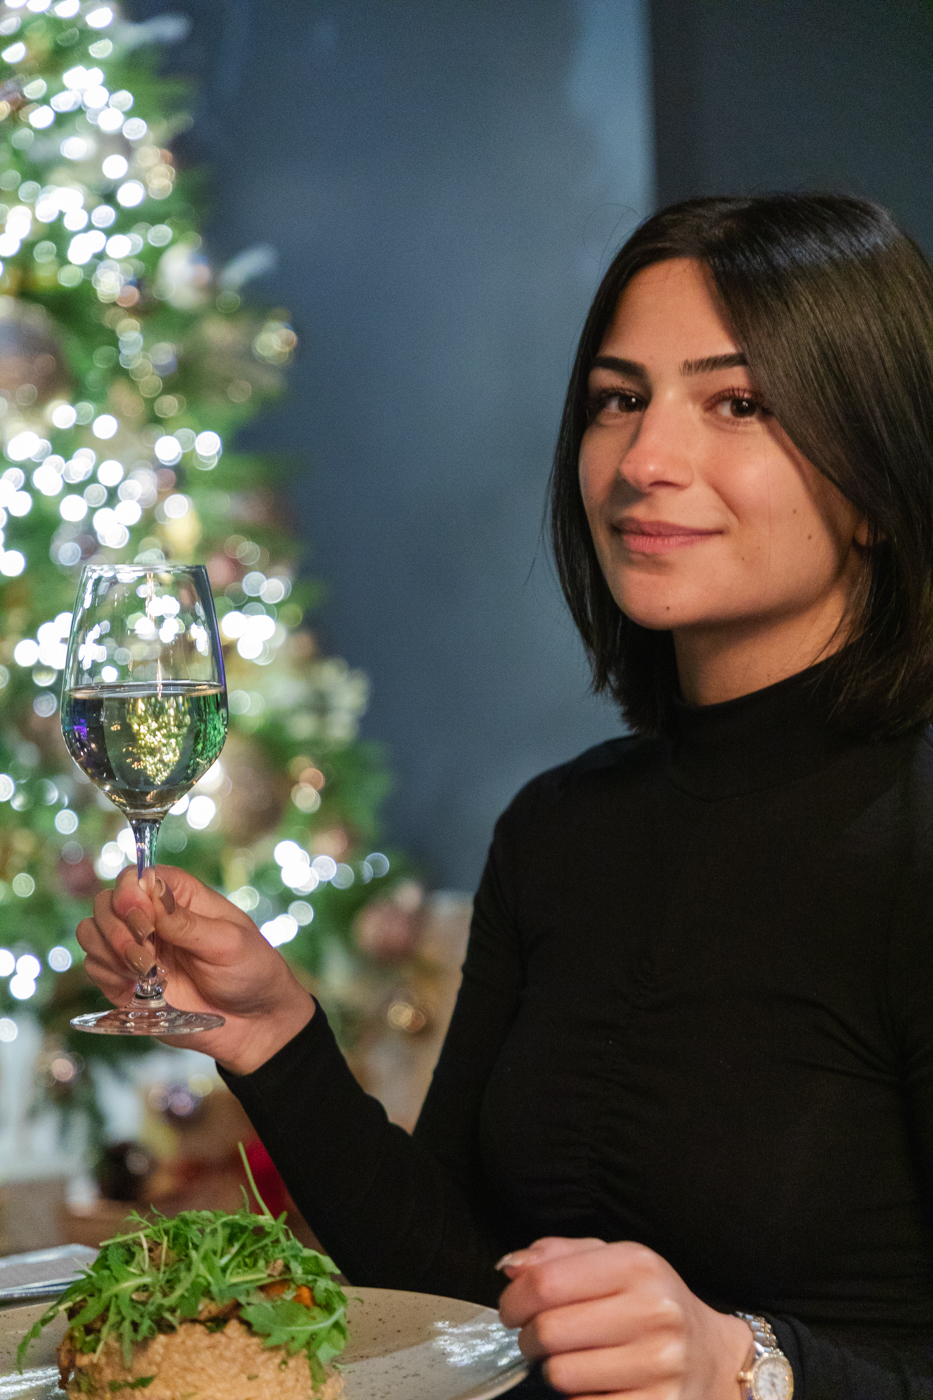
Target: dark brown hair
[(832, 305)]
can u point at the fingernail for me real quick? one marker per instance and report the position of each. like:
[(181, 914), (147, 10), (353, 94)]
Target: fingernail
[(508, 1259), (139, 959), (139, 925), (166, 896)]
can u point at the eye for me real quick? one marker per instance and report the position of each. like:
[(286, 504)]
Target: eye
[(607, 403), (738, 405)]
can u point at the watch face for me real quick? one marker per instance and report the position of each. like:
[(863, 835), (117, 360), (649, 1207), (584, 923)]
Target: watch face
[(772, 1378)]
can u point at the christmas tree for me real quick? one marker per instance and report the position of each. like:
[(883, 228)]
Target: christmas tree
[(126, 366)]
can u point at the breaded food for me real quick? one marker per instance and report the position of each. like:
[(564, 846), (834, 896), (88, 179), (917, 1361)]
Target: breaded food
[(194, 1364), (202, 1306)]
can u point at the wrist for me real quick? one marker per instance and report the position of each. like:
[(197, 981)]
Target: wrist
[(735, 1338), (260, 1036)]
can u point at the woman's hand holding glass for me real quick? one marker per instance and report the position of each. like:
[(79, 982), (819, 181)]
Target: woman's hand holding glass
[(615, 1320), (214, 954)]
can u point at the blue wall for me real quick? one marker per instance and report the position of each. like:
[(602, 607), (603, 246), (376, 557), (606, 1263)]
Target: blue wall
[(444, 182), (797, 94)]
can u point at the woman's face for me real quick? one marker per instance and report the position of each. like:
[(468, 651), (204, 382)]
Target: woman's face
[(706, 519)]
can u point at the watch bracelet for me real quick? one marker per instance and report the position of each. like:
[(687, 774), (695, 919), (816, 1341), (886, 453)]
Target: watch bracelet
[(761, 1330), (764, 1343)]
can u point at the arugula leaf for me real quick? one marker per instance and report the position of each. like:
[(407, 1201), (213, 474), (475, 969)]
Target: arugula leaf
[(159, 1273), (288, 1324)]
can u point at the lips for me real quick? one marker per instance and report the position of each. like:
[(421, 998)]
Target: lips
[(656, 536)]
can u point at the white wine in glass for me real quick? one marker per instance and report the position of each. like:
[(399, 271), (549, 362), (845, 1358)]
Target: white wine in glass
[(144, 715)]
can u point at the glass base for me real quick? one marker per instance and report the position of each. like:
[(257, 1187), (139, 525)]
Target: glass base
[(154, 1017)]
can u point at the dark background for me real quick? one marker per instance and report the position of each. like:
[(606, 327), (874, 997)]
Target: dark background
[(444, 181), (796, 94)]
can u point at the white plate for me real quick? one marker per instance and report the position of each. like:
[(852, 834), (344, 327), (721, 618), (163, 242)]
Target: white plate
[(403, 1346)]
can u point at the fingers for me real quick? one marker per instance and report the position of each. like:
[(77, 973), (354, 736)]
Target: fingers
[(142, 960), (111, 949), (104, 966), (549, 1247), (642, 1367), (177, 907), (130, 897), (616, 1319), (601, 1322), (183, 888), (570, 1277), (219, 941), (139, 924), (112, 930), (166, 884)]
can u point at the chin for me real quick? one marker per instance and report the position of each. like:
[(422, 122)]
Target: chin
[(652, 623), (656, 614)]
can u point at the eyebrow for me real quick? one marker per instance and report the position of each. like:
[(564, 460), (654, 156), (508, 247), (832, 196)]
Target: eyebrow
[(714, 362), (638, 371)]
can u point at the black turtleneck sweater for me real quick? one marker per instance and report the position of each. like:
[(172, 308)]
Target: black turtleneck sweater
[(697, 1012)]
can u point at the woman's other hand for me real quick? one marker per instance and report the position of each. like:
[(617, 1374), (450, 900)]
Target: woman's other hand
[(215, 957), (616, 1320)]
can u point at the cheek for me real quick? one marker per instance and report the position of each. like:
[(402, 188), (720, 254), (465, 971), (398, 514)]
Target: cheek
[(799, 524), (598, 468), (593, 483), (768, 500), (754, 490)]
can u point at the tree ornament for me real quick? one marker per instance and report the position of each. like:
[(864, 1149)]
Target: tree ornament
[(257, 793), (390, 930), (32, 366)]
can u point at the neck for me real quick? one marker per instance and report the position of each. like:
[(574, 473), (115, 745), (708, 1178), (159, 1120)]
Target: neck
[(715, 664)]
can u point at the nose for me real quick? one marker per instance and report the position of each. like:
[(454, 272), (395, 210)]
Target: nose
[(660, 453)]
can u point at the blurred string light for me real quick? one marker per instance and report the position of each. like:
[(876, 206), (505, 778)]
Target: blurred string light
[(64, 1068), (49, 647), (201, 812), (253, 633), (295, 867), (22, 984), (281, 929), (245, 898), (115, 854)]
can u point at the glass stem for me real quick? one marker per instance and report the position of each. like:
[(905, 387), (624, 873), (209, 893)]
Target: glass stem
[(150, 987), (146, 831)]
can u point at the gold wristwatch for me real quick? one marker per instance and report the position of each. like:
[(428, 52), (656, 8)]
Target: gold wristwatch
[(767, 1373)]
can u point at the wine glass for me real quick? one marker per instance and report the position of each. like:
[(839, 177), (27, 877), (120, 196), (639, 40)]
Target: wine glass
[(144, 714)]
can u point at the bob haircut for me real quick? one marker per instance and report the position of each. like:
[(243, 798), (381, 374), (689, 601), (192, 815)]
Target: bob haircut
[(832, 305)]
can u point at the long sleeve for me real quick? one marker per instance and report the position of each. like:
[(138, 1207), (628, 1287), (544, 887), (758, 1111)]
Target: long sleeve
[(828, 1370), (395, 1210), (851, 1369)]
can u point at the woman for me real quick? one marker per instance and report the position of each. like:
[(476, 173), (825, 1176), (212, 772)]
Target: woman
[(690, 1072)]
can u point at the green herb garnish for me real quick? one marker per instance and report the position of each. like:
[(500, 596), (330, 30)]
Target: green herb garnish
[(162, 1271)]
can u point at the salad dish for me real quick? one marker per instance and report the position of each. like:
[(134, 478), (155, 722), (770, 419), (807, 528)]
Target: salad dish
[(204, 1304)]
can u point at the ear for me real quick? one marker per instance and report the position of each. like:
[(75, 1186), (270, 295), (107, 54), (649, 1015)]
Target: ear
[(862, 534)]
